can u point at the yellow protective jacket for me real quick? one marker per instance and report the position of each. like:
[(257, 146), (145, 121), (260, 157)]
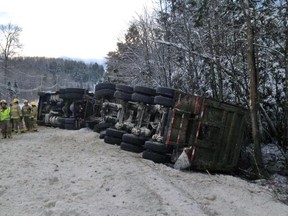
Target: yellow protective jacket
[(5, 114), (15, 111), (34, 112), (26, 111)]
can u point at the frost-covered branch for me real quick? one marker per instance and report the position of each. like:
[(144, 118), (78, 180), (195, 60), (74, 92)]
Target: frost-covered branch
[(269, 48), (180, 46)]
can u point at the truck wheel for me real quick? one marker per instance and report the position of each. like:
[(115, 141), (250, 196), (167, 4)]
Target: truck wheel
[(72, 90), (69, 120), (61, 120), (133, 139), (122, 95), (115, 133), (166, 92), (131, 148), (124, 88), (112, 140), (101, 86), (164, 101), (145, 90), (108, 93), (91, 125), (142, 98), (101, 126), (158, 147), (155, 157), (70, 127)]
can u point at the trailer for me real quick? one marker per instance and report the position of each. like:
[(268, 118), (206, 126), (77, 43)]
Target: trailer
[(209, 132)]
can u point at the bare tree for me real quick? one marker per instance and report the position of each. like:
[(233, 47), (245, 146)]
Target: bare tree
[(9, 43)]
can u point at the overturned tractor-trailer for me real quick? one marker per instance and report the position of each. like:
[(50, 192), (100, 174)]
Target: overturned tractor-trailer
[(165, 125), (208, 133)]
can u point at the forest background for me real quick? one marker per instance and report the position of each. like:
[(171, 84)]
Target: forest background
[(233, 51), (24, 77)]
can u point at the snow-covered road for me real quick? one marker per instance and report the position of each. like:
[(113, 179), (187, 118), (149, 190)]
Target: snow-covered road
[(74, 173)]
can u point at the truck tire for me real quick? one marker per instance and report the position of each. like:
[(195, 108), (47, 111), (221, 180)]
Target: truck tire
[(108, 93), (164, 101), (142, 98), (158, 147), (70, 127), (131, 148), (101, 126), (166, 92), (115, 133), (145, 90), (61, 120), (133, 139), (112, 140), (122, 95), (124, 88), (69, 120), (155, 157), (101, 86)]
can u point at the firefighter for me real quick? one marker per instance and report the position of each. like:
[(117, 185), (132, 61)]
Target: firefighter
[(16, 117), (5, 120), (11, 121), (26, 113), (33, 116)]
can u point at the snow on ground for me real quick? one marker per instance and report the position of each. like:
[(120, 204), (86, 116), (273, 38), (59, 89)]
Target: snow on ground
[(74, 173)]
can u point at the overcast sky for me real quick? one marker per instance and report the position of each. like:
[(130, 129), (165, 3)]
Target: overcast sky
[(86, 29)]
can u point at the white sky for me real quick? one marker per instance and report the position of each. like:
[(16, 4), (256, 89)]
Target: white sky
[(86, 29)]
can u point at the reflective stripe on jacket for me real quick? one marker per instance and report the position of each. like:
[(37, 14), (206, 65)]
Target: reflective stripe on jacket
[(5, 114), (15, 111)]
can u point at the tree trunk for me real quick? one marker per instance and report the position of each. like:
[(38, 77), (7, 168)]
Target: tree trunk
[(286, 79), (211, 64), (253, 93), (6, 70)]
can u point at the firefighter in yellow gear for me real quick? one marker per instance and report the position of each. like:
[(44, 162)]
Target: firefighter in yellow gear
[(26, 113), (5, 120), (33, 116), (16, 116)]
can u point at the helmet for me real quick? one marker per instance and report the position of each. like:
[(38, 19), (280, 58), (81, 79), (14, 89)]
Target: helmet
[(25, 101), (15, 100), (3, 101), (33, 103)]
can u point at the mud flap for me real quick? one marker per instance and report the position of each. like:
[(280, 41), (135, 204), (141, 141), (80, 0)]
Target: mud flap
[(183, 161)]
